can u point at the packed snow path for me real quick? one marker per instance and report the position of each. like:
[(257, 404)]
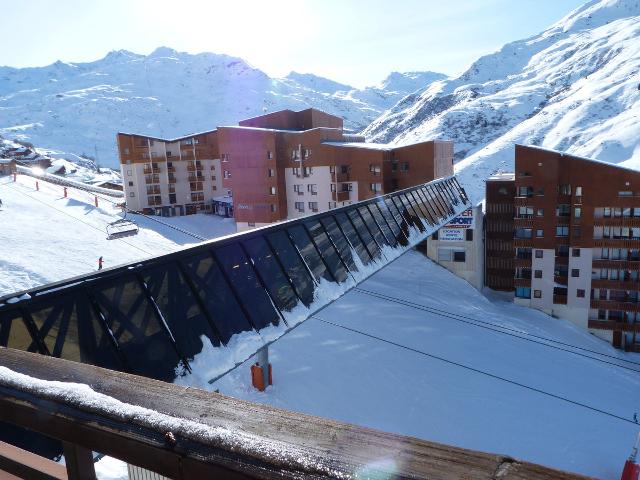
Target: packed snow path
[(48, 238)]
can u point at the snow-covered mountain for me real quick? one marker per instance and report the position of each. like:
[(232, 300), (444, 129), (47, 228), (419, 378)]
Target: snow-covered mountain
[(78, 107), (574, 87)]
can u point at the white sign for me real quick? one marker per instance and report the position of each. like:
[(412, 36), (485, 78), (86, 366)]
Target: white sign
[(451, 234), (465, 220)]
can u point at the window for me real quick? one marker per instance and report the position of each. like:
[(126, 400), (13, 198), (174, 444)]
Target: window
[(307, 152), (269, 155), (227, 174), (295, 154), (469, 235), (126, 151), (523, 292), (578, 191), (580, 293), (537, 294), (169, 153), (537, 273), (606, 211), (308, 171), (272, 190), (525, 191), (313, 206), (540, 192), (128, 173), (132, 194), (375, 187), (172, 198), (563, 210), (251, 224), (332, 169), (523, 232), (541, 212), (626, 212), (577, 212), (625, 193), (332, 205), (296, 171), (575, 272), (444, 254), (564, 189), (374, 169), (312, 188), (459, 256), (273, 207), (539, 233), (299, 206), (434, 236), (394, 165), (131, 184), (298, 189), (404, 167), (562, 231), (271, 172), (617, 212), (577, 232), (525, 212), (539, 253)]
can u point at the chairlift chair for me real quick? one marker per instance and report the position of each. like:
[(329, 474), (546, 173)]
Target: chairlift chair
[(121, 228)]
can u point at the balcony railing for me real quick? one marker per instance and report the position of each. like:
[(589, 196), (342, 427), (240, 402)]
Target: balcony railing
[(561, 279), (559, 299), (342, 196), (618, 325), (154, 179)]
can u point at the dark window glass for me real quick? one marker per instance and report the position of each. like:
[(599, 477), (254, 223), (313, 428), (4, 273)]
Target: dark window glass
[(137, 329), (399, 219), (459, 256), (339, 240), (390, 221), (414, 218), (274, 279), (353, 237), (179, 308), (469, 234), (216, 295), (370, 223), (247, 285), (309, 253), (14, 332), (71, 330), (293, 265), (364, 233), (388, 234), (327, 251)]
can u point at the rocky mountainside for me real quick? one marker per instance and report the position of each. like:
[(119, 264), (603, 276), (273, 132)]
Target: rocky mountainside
[(78, 107), (574, 87)]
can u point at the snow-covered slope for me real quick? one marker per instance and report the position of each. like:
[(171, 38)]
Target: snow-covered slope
[(48, 238), (574, 87), (79, 107)]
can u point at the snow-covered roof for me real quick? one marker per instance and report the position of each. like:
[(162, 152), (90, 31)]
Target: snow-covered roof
[(578, 157), (281, 130), (372, 146), (168, 140), (503, 177)]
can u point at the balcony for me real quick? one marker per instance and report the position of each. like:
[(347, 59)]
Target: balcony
[(610, 263), (627, 306), (523, 255), (342, 177), (151, 180), (559, 299), (172, 179), (613, 325), (616, 242), (149, 171), (194, 168), (615, 284), (561, 279), (617, 221), (523, 242), (171, 169), (196, 178), (564, 260), (522, 262), (521, 282), (342, 196)]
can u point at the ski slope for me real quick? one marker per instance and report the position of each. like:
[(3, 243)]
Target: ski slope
[(47, 237)]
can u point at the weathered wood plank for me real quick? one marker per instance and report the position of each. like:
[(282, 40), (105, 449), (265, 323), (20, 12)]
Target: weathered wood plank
[(311, 447), (18, 463)]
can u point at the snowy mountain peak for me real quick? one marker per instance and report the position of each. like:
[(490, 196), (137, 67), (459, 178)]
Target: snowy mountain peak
[(78, 108), (409, 81), (574, 87)]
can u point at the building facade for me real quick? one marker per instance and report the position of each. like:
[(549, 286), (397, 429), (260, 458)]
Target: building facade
[(577, 242), (274, 167), (499, 207), (458, 246)]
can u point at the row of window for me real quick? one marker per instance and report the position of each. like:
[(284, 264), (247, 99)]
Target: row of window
[(527, 191), (313, 206), (616, 212), (525, 292), (628, 254), (626, 233)]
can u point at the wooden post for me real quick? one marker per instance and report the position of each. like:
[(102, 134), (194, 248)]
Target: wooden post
[(37, 186), (96, 200), (65, 192), (79, 461)]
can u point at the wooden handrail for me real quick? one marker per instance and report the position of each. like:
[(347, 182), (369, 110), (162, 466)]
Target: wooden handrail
[(23, 464), (205, 434)]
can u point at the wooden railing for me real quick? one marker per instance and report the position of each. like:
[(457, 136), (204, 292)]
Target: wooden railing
[(186, 433)]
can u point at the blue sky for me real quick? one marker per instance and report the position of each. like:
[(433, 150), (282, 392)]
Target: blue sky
[(352, 41)]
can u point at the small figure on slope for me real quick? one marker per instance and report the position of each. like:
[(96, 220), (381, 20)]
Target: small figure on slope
[(100, 262)]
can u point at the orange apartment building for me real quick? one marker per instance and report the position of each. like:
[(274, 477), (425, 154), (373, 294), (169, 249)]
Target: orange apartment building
[(575, 242), (273, 167)]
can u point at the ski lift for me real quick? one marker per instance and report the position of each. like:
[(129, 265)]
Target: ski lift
[(121, 228)]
